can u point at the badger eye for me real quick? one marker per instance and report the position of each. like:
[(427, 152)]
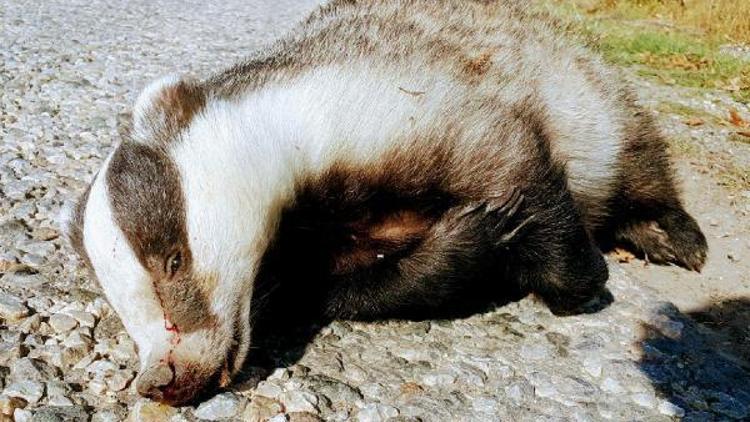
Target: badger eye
[(174, 263)]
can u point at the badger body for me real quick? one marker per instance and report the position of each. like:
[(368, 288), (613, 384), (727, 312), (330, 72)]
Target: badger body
[(397, 153)]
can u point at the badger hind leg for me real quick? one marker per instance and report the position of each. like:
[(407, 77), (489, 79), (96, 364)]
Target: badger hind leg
[(671, 237), (647, 215)]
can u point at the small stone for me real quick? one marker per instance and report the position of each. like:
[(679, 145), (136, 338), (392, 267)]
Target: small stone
[(145, 410), (11, 308), (534, 352), (299, 401), (58, 388), (62, 323), (9, 404), (71, 413), (84, 319), (105, 416), (78, 339), (101, 368), (375, 412), (72, 355), (644, 399), (593, 366), (119, 381), (10, 352), (668, 326), (45, 233), (30, 324), (303, 417), (262, 408), (613, 386), (99, 308), (671, 409), (59, 401), (22, 415), (438, 379), (29, 390), (520, 392), (97, 386), (86, 361), (124, 352), (268, 389), (281, 374), (222, 406), (26, 369)]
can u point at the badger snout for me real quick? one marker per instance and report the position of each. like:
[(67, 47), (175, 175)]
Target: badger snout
[(153, 381), (176, 383)]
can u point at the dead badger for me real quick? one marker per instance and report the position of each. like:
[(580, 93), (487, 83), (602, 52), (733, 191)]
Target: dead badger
[(402, 150)]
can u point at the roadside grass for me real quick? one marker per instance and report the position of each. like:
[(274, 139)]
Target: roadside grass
[(719, 20), (640, 33), (674, 45)]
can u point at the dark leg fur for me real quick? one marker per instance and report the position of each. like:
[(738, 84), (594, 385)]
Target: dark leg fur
[(537, 239), (648, 216), (556, 258), (454, 255)]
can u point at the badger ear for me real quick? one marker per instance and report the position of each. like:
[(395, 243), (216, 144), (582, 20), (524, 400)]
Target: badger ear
[(165, 106)]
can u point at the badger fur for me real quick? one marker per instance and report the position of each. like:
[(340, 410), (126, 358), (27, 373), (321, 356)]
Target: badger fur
[(396, 152)]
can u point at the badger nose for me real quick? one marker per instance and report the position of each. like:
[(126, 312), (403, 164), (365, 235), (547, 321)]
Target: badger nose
[(153, 382)]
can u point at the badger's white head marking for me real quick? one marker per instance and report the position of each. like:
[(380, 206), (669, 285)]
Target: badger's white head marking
[(180, 292)]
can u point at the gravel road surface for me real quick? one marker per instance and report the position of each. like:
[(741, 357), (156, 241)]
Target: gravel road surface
[(69, 71)]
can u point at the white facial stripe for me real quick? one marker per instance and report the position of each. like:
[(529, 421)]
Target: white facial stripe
[(125, 282), (144, 106), (229, 195)]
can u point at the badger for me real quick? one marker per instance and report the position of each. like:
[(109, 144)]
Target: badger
[(393, 153)]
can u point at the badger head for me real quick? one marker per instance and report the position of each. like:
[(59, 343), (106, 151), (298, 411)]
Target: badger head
[(173, 243)]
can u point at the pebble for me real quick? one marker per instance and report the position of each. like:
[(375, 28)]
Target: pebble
[(644, 399), (262, 408), (220, 406), (376, 412), (22, 415), (84, 319), (268, 389), (303, 417), (670, 409), (119, 380), (59, 401), (9, 404), (145, 410), (29, 390), (30, 324), (10, 352), (11, 308), (299, 401), (107, 416), (32, 369), (613, 386), (62, 323), (593, 366)]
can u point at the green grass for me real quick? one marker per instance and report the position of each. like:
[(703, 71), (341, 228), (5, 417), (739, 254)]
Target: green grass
[(676, 58), (669, 54)]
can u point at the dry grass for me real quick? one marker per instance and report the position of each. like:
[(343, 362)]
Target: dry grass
[(721, 20), (666, 40)]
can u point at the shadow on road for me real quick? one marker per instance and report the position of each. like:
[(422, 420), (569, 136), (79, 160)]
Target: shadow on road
[(700, 361)]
